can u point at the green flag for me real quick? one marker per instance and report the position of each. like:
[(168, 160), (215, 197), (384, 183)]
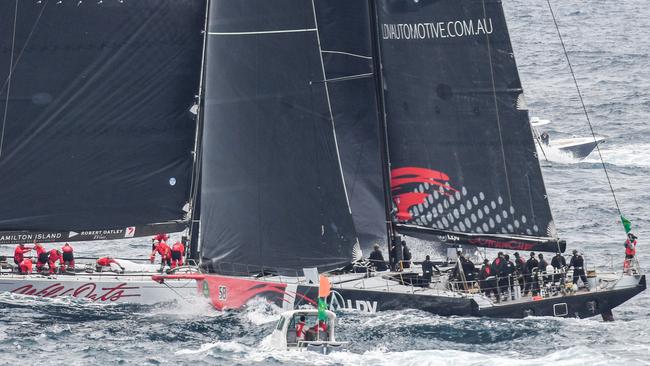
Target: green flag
[(627, 224), (322, 307)]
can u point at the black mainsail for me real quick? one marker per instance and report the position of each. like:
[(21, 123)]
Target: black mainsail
[(96, 134), (463, 165), (272, 191)]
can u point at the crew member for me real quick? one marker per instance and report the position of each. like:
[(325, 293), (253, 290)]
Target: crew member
[(301, 331), (498, 268), (106, 262), (41, 256), (376, 259), (541, 268), (559, 264), (178, 251), (487, 280), (406, 256), (68, 256), (427, 271), (630, 251), (509, 270), (19, 253), (26, 266), (165, 253), (578, 264), (321, 330), (521, 269), (157, 239), (545, 138), (531, 265), (54, 256)]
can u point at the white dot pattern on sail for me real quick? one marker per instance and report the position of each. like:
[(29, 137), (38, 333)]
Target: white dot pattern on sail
[(446, 208)]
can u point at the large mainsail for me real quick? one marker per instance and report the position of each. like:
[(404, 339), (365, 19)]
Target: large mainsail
[(463, 165), (272, 191), (95, 130)]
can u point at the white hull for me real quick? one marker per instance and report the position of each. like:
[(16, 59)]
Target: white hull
[(100, 288)]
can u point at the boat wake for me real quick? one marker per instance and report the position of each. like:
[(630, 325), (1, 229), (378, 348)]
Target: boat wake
[(633, 155)]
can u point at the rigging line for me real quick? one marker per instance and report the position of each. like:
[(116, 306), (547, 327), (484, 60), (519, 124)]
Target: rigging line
[(11, 69), (345, 78), (329, 106), (496, 106), (584, 108)]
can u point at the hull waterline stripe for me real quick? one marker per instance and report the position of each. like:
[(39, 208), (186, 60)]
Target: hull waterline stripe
[(262, 32)]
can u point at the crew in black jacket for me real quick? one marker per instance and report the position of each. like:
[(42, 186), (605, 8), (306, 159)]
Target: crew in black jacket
[(578, 264)]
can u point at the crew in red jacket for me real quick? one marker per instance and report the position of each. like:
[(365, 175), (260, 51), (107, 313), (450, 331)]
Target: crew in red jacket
[(178, 251), (165, 253), (55, 255), (41, 255), (26, 266), (106, 262), (19, 253), (68, 255)]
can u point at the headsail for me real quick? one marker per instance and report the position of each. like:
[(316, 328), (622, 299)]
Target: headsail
[(272, 192), (464, 168), (95, 132)]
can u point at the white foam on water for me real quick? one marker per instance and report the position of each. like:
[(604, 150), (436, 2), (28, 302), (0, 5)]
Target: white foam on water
[(636, 155), (259, 311), (555, 155)]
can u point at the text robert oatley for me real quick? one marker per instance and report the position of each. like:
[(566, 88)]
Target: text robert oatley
[(451, 29)]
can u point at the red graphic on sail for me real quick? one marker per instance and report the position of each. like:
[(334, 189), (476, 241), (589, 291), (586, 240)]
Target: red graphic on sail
[(404, 183)]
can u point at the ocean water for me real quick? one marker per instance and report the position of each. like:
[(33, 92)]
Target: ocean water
[(608, 44)]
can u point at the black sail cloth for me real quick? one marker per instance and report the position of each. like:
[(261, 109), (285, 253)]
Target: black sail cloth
[(272, 192), (464, 167), (95, 128)]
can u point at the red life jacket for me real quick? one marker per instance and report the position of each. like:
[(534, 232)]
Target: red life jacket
[(26, 266), (67, 249), (179, 247), (630, 247), (300, 330), (105, 261), (55, 256), (163, 249), (19, 253)]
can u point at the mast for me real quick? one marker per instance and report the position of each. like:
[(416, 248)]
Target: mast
[(195, 202), (383, 131)]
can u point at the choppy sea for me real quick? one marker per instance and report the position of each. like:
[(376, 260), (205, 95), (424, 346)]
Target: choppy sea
[(609, 46)]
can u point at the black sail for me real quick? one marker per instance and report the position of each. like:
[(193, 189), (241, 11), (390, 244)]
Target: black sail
[(463, 165), (95, 132), (272, 192), (345, 39)]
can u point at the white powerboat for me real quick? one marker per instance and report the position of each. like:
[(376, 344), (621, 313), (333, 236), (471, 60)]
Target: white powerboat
[(284, 335), (579, 147)]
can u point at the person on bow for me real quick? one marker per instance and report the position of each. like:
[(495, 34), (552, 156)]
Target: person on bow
[(19, 253), (165, 254), (53, 257), (578, 264), (42, 257), (177, 253), (301, 331), (68, 255), (25, 266), (630, 251), (106, 262), (376, 259)]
